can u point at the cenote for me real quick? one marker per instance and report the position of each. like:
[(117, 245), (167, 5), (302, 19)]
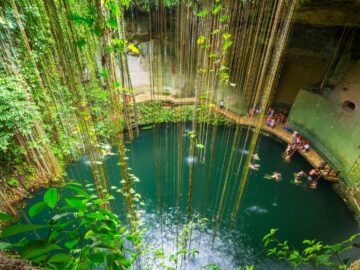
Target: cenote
[(298, 211), (133, 134)]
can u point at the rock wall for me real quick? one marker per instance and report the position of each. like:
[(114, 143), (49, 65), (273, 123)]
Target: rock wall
[(332, 131), (298, 70), (310, 51)]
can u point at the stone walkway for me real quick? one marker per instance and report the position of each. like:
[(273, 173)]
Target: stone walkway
[(311, 156)]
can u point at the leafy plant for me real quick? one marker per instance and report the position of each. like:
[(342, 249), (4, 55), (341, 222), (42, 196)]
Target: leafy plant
[(13, 182), (314, 253), (81, 233)]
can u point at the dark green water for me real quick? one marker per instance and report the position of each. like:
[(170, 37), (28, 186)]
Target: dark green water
[(298, 211)]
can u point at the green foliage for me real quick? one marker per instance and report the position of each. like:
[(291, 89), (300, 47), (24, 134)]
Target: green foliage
[(194, 140), (217, 53), (223, 19), (13, 182), (217, 9), (51, 197), (203, 13), (227, 41), (314, 253), (117, 46), (156, 113), (17, 113), (81, 233), (201, 40)]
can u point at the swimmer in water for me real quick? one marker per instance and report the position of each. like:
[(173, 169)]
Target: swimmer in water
[(254, 167), (313, 174), (276, 176), (255, 157), (299, 176), (313, 184)]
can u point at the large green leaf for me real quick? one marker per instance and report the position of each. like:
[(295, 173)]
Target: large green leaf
[(21, 228), (36, 208), (75, 203), (51, 197), (5, 245), (37, 248), (95, 215)]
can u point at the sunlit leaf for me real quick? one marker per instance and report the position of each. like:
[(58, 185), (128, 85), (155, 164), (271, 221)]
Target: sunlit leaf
[(216, 9), (133, 48), (203, 13), (5, 245), (95, 215), (75, 203), (51, 197), (201, 39)]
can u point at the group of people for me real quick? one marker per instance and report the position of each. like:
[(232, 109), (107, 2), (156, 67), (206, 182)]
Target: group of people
[(254, 166), (297, 143), (312, 177), (274, 118)]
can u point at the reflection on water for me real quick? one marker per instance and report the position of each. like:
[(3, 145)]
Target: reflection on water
[(191, 159), (256, 209)]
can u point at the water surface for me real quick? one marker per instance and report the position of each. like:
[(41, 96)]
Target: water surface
[(298, 211)]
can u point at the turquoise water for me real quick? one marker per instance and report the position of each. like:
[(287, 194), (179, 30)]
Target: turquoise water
[(298, 211)]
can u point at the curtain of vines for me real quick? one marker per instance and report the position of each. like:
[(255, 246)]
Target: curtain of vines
[(225, 50)]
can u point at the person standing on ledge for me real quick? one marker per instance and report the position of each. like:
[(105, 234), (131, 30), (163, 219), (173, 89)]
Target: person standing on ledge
[(222, 105)]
